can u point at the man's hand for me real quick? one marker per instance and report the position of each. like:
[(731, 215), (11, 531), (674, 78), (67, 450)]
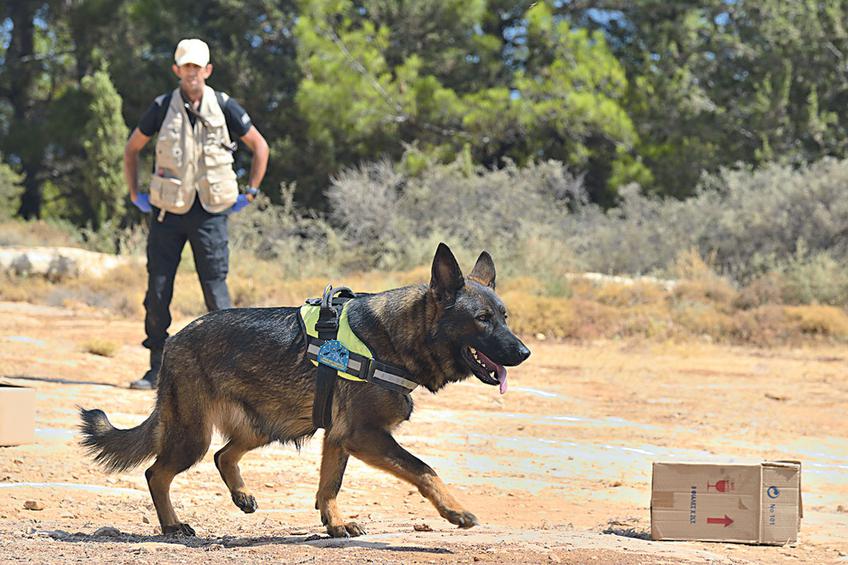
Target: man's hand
[(241, 202), (142, 202)]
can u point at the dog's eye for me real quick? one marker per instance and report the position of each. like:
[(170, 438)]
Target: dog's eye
[(484, 317)]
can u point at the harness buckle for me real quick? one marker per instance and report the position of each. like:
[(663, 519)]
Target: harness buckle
[(327, 324)]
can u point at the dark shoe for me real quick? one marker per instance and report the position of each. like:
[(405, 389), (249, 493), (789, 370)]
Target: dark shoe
[(144, 383), (151, 377)]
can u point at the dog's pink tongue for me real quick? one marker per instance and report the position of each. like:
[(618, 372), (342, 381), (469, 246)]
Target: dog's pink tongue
[(500, 370)]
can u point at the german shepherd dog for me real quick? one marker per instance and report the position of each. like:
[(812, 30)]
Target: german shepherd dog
[(245, 371)]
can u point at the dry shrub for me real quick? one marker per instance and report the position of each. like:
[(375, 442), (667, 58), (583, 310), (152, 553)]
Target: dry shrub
[(23, 289), (527, 284), (703, 319), (100, 347), (39, 233), (584, 288), (649, 321), (121, 290), (765, 289), (700, 283), (626, 295), (818, 279), (531, 314), (764, 326), (593, 320), (824, 321)]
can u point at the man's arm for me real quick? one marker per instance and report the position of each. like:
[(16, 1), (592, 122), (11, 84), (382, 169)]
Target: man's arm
[(133, 147), (259, 147)]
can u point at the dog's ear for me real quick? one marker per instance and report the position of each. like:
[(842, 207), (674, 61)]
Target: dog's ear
[(446, 279), (484, 270)]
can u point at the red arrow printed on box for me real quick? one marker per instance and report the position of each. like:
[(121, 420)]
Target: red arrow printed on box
[(726, 520)]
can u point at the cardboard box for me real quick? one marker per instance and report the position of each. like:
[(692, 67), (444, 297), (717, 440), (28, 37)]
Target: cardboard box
[(758, 503), (17, 415)]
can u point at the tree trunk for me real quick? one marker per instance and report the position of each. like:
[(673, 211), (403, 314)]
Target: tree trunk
[(20, 74)]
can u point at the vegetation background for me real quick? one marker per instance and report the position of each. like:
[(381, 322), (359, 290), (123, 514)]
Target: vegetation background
[(700, 141)]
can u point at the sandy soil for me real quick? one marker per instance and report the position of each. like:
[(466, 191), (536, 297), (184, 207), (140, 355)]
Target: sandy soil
[(557, 470)]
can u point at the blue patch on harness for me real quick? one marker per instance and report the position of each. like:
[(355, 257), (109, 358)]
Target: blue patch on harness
[(333, 354)]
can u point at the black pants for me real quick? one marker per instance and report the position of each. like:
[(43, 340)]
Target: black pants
[(207, 234)]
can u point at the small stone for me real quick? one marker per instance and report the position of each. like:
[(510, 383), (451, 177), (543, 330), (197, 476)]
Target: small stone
[(841, 508), (297, 533), (33, 505), (422, 528), (616, 484), (18, 461), (313, 537), (270, 485), (553, 558), (107, 531), (215, 547), (541, 337)]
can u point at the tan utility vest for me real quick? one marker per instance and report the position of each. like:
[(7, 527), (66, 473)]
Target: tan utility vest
[(193, 159)]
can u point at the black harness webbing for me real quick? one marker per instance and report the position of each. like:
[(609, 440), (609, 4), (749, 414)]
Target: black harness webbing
[(367, 369), (327, 328)]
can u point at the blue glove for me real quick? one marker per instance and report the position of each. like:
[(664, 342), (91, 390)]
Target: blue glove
[(241, 202), (142, 202)]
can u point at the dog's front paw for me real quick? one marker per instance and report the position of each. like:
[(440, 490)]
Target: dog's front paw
[(354, 529), (349, 530), (245, 501), (463, 519)]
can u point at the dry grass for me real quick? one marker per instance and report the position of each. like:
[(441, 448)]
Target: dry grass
[(100, 347), (701, 306)]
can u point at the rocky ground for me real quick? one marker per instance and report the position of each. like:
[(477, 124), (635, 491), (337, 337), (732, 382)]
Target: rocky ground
[(557, 470)]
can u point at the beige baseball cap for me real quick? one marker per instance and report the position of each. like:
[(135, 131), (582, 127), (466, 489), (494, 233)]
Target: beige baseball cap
[(192, 51)]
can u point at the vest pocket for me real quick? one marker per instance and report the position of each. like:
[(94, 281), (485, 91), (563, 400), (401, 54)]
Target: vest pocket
[(169, 153), (223, 192), (214, 157), (166, 193)]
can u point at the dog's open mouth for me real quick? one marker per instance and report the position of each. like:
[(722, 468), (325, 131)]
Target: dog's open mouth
[(484, 368)]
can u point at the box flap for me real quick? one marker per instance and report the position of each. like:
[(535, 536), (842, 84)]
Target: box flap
[(781, 496)]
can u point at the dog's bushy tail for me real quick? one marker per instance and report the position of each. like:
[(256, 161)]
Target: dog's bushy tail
[(117, 450)]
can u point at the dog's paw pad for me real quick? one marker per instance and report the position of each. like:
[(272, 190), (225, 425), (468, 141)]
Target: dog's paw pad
[(246, 502), (179, 530), (354, 529)]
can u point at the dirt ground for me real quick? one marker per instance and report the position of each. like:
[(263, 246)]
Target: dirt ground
[(557, 470)]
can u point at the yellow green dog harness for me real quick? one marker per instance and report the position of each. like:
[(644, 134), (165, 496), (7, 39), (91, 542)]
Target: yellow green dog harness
[(337, 352)]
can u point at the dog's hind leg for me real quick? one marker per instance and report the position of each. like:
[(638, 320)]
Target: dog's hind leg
[(333, 463), (227, 459), (181, 448), (379, 449)]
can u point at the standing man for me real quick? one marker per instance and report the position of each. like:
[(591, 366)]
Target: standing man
[(192, 191)]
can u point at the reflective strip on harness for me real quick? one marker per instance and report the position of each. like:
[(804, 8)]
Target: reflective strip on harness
[(406, 384), (362, 366)]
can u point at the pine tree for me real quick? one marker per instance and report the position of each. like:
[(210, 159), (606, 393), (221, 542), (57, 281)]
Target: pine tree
[(103, 137)]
